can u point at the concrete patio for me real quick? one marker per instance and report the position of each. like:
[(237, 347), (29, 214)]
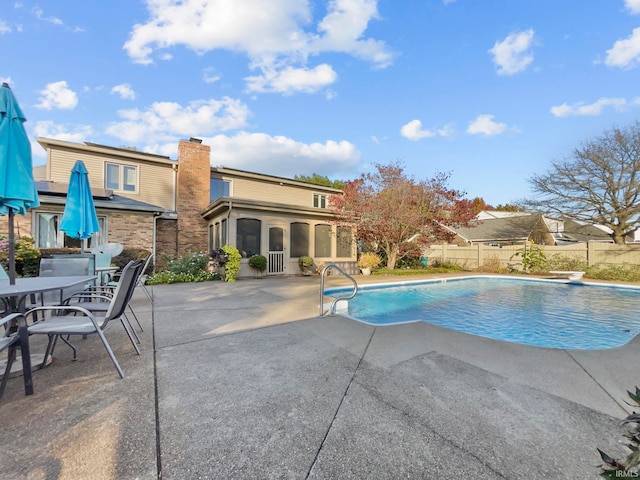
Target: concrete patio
[(243, 381)]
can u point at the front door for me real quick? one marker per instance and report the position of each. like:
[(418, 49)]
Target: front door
[(275, 256)]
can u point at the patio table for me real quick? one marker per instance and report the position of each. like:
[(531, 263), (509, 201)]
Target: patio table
[(17, 295)]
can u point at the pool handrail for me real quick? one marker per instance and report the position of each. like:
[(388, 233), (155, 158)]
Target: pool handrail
[(332, 308)]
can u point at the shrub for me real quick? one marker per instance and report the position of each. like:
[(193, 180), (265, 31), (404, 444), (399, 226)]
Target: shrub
[(620, 273), (27, 255), (127, 255), (190, 268), (218, 257), (258, 262), (192, 262), (564, 262), (630, 465), (369, 260), (492, 265), (304, 262), (533, 258), (170, 277), (232, 265)]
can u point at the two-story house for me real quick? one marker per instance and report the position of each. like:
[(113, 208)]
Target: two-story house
[(171, 207)]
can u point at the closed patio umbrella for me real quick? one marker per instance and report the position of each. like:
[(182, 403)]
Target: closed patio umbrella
[(18, 191), (79, 219)]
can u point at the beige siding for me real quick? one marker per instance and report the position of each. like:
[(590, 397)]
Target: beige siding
[(252, 189), (155, 179)]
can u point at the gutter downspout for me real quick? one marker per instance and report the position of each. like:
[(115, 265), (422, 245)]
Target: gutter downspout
[(175, 186), (156, 215), (175, 206)]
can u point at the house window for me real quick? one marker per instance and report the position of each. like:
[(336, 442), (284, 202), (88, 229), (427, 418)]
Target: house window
[(248, 236), (211, 242), (49, 235), (323, 240), (123, 178), (299, 239), (344, 238), (223, 232), (218, 188), (319, 200)]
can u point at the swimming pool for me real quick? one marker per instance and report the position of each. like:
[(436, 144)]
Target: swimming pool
[(544, 313)]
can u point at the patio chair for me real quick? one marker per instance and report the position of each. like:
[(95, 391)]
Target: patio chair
[(141, 282), (61, 323), (9, 339), (3, 274), (5, 302), (60, 265), (142, 279), (97, 299)]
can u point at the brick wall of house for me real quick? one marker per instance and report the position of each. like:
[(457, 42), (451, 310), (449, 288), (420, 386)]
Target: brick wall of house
[(132, 230), (194, 174), (166, 235), (21, 225)]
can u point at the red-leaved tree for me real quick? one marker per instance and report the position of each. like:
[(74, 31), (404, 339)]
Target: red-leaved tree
[(392, 212)]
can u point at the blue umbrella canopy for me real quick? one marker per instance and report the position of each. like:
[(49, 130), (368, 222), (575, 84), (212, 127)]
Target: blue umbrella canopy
[(18, 191), (79, 219)]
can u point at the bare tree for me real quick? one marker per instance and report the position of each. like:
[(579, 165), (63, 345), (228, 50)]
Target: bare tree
[(598, 184)]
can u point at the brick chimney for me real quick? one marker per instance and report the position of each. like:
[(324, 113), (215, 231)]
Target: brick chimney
[(194, 174)]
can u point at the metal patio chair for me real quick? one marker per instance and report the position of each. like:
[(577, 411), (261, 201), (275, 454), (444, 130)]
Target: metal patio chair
[(65, 265), (97, 299), (69, 320), (9, 339)]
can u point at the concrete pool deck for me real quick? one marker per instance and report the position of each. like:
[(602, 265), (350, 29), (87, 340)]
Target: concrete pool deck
[(244, 381)]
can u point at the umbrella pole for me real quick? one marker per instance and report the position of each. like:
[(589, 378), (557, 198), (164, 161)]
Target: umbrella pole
[(12, 250)]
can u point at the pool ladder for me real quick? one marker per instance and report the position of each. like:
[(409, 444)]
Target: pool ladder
[(332, 308)]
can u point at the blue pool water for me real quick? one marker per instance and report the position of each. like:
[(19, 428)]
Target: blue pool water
[(531, 312)]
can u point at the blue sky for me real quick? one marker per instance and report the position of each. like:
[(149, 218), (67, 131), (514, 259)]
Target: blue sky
[(491, 91)]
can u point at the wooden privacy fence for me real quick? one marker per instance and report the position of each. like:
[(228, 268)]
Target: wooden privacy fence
[(476, 256)]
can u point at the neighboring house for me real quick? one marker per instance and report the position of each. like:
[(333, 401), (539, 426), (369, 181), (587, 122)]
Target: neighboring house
[(507, 230), (513, 228), (171, 207), (569, 231)]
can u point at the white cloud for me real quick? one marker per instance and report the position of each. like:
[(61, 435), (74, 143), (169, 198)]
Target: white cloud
[(4, 27), (57, 95), (414, 131), (513, 55), (39, 13), (125, 91), (167, 121), (484, 125), (49, 129), (343, 28), (282, 156), (633, 6), (591, 109), (277, 42), (290, 80), (625, 53), (209, 75)]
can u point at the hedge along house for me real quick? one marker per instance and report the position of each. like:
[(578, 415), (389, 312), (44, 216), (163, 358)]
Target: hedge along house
[(173, 207)]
